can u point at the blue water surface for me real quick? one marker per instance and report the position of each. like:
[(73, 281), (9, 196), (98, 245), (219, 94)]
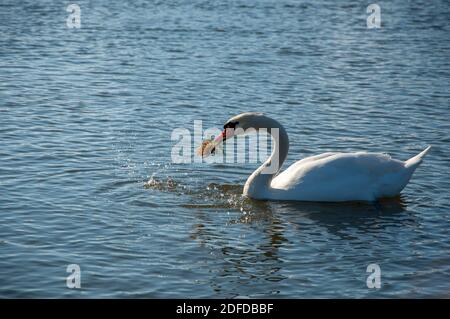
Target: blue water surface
[(86, 117)]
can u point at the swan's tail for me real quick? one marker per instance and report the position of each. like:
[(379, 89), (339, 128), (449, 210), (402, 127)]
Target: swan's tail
[(416, 160)]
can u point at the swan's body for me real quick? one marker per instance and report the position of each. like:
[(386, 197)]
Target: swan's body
[(326, 177), (339, 177)]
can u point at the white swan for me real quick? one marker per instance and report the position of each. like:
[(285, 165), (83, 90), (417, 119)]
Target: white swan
[(330, 177)]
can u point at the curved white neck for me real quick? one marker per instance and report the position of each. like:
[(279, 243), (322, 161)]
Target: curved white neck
[(258, 184)]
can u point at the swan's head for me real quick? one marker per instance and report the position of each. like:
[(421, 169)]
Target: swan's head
[(241, 124)]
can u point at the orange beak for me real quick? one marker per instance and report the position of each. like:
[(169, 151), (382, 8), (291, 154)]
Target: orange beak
[(227, 133)]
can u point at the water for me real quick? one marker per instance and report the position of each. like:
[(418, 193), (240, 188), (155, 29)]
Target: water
[(86, 117)]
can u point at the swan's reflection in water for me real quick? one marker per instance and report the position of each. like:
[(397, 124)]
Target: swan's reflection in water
[(251, 242), (245, 259), (342, 219), (335, 217)]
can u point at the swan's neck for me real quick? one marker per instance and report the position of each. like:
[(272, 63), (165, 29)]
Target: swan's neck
[(258, 184)]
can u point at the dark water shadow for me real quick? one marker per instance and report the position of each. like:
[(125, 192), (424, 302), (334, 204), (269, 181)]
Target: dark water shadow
[(340, 218)]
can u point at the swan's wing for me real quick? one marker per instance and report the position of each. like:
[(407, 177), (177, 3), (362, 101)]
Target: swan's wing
[(311, 159), (336, 176)]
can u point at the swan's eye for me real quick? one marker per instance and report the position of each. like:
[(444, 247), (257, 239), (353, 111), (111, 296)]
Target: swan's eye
[(230, 125)]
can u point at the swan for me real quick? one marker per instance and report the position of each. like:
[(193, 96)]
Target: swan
[(328, 177)]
